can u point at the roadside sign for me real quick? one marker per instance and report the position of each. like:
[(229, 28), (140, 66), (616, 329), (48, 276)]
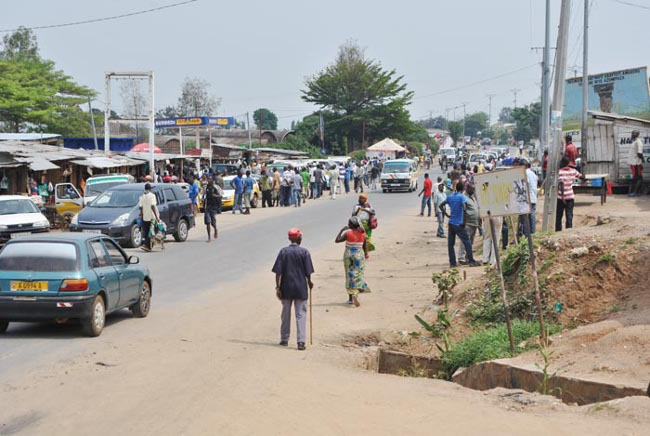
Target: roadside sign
[(502, 193), (194, 122)]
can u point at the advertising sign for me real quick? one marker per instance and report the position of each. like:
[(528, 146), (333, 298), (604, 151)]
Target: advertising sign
[(622, 92), (194, 122), (502, 193)]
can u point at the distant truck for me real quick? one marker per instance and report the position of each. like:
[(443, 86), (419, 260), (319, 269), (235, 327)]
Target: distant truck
[(449, 152), (609, 138)]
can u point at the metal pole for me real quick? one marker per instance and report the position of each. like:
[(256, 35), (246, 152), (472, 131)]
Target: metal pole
[(555, 150), (180, 140), (585, 80), (250, 140), (464, 117), (107, 115), (533, 267), (504, 300), (489, 126), (92, 121), (209, 146), (152, 128), (198, 138), (545, 82)]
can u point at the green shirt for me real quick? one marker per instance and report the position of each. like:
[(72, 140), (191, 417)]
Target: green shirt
[(264, 183), (472, 211), (305, 178)]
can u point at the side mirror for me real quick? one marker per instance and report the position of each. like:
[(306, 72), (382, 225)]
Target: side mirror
[(133, 260)]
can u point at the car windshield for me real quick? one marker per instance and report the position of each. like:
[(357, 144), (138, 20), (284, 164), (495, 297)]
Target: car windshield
[(13, 207), (101, 187), (39, 256), (396, 167), (447, 151), (117, 198)]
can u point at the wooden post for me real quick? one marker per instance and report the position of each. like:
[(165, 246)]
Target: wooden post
[(533, 266), (495, 247), (514, 230)]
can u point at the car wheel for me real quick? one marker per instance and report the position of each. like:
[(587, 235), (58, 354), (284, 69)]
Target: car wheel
[(254, 201), (3, 326), (94, 325), (182, 231), (135, 238), (384, 190), (141, 308)]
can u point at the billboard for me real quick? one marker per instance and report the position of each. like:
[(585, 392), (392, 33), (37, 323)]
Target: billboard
[(622, 92), (194, 122), (502, 193)]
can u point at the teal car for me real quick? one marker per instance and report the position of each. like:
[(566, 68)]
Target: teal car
[(70, 276)]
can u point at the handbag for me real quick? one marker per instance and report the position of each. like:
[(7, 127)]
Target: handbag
[(373, 222)]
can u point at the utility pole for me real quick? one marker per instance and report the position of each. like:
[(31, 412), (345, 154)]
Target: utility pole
[(515, 92), (550, 192), (92, 120), (248, 124), (464, 117), (489, 126), (447, 118), (107, 116), (546, 85), (585, 82)]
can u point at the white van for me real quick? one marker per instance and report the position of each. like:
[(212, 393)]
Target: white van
[(449, 152), (399, 174)]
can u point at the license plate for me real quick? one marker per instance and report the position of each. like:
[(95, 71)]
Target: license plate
[(93, 232), (19, 235), (29, 286)]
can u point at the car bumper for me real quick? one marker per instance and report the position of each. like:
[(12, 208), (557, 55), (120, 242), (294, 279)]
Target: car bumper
[(6, 236), (121, 234), (27, 309), (391, 184)]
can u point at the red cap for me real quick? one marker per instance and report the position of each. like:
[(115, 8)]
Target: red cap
[(294, 232)]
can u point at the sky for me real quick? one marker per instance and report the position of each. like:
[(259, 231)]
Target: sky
[(258, 53)]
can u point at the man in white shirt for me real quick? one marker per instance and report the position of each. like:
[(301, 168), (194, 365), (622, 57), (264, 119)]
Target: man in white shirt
[(148, 213), (532, 192), (635, 161)]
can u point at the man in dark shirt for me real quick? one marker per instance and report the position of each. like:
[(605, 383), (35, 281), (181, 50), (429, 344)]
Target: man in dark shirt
[(293, 269), (212, 195)]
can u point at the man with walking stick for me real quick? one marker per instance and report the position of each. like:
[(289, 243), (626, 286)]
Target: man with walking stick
[(293, 269)]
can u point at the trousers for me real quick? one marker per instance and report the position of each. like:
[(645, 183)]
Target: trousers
[(462, 252), (489, 254), (267, 199), (454, 230), (563, 207), (426, 201), (300, 307)]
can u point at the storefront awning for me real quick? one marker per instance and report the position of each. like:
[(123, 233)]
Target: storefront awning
[(37, 163)]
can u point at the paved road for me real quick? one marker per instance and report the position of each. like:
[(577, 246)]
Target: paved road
[(185, 270)]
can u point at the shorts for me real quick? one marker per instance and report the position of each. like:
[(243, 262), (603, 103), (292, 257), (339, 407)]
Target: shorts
[(210, 216)]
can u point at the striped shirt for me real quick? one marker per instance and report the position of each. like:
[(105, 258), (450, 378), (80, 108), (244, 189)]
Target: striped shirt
[(567, 175)]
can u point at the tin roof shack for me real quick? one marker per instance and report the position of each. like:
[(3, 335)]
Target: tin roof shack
[(41, 138), (609, 138)]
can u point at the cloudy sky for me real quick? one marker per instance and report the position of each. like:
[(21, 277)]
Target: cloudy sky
[(257, 53)]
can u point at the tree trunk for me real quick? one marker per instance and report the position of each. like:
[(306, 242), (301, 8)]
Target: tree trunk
[(350, 143)]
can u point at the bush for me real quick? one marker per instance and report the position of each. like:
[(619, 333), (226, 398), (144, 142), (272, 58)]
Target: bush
[(491, 343), (359, 155)]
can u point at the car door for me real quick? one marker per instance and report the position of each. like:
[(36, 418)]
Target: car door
[(67, 199), (173, 207), (128, 276), (107, 275), (163, 207)]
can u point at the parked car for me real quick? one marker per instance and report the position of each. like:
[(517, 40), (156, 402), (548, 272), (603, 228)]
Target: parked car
[(20, 217), (230, 169), (475, 158), (115, 213), (97, 185), (228, 199), (70, 276)]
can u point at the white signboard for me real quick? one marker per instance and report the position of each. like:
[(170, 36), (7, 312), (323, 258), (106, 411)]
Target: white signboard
[(502, 193)]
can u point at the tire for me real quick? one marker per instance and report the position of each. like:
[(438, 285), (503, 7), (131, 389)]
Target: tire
[(143, 305), (3, 326), (385, 190), (135, 236), (182, 231), (94, 325), (254, 201)]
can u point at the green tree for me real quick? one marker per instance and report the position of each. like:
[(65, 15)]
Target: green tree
[(19, 44), (34, 96), (476, 122), (196, 100), (505, 116), (527, 122), (267, 118), (358, 90), (455, 130)]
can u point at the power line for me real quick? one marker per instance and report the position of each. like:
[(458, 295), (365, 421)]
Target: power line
[(96, 20), (469, 85), (632, 4)]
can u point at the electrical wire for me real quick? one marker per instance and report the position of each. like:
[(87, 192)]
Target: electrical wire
[(97, 20), (634, 5)]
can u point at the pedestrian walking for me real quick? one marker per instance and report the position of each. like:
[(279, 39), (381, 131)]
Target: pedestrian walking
[(472, 223), (148, 214), (276, 188), (265, 186), (489, 252), (297, 189), (346, 178), (358, 176), (374, 175), (635, 161), (438, 199), (334, 181), (457, 220), (249, 184), (354, 258), (366, 214), (238, 185), (565, 195), (287, 183), (293, 269), (341, 178), (194, 195), (427, 191), (319, 179), (533, 181), (210, 195), (304, 172)]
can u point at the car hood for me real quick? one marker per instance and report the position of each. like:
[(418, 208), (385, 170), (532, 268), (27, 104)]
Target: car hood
[(395, 175), (100, 214), (22, 218)]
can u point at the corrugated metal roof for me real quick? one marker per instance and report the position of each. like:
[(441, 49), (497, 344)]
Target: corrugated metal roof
[(37, 163), (27, 136), (106, 162)]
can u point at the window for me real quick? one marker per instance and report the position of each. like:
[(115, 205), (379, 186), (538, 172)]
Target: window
[(98, 256), (119, 198), (169, 195), (39, 256), (15, 207), (180, 193), (114, 252)]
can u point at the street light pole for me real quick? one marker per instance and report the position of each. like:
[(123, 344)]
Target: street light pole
[(585, 80)]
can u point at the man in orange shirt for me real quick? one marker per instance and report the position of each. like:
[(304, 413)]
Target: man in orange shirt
[(571, 151), (426, 190)]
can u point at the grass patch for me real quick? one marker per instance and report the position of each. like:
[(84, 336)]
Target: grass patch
[(606, 258), (491, 343)]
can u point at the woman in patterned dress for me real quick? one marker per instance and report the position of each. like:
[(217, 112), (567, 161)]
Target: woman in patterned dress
[(364, 211), (354, 258)]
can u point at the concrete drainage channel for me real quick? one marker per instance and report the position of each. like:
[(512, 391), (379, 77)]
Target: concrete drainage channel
[(492, 374)]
